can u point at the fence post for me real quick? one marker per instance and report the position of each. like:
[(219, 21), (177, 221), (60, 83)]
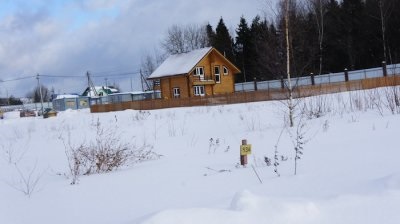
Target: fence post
[(312, 79), (282, 83), (384, 68), (346, 75), (255, 84), (243, 152)]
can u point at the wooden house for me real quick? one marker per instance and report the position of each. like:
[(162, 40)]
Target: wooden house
[(202, 72)]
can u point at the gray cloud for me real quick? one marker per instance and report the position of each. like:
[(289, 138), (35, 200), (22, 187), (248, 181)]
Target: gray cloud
[(40, 42)]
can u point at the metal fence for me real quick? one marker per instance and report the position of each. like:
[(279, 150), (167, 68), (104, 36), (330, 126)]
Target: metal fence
[(126, 97), (393, 69), (249, 96), (30, 106), (75, 103), (83, 102)]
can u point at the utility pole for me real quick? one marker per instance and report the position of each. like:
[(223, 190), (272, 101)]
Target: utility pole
[(291, 108), (88, 84), (91, 86), (131, 85), (141, 79), (8, 98), (40, 92), (106, 82)]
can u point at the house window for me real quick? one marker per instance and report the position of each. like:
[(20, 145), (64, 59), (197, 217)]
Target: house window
[(157, 82), (198, 90), (217, 74), (199, 71), (177, 93), (226, 71)]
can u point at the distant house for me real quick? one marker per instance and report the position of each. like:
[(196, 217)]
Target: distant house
[(100, 90), (202, 72)]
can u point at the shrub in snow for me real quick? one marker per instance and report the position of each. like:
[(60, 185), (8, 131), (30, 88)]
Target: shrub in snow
[(27, 179), (267, 161), (298, 142), (316, 107), (276, 160), (392, 99), (141, 115), (213, 145), (106, 153), (325, 126)]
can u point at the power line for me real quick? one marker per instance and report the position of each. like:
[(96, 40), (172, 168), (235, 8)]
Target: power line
[(94, 75), (119, 74), (63, 76), (17, 79)]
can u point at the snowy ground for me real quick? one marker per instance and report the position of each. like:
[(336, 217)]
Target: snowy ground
[(349, 172)]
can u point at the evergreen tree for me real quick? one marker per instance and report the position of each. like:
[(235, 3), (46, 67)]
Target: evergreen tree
[(243, 52), (354, 15), (265, 49), (334, 44), (223, 41), (210, 35), (392, 20)]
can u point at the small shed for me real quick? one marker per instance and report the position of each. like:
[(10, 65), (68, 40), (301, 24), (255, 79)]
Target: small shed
[(74, 102)]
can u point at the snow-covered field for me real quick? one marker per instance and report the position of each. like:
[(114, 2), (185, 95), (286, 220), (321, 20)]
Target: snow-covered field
[(349, 171)]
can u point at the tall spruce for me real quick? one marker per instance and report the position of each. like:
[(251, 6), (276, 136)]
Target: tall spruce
[(223, 41), (243, 48), (266, 51), (393, 32), (210, 35), (334, 44), (354, 32)]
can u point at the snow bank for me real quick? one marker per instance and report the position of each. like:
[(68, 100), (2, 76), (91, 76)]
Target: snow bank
[(349, 172), (11, 115), (249, 208), (246, 208)]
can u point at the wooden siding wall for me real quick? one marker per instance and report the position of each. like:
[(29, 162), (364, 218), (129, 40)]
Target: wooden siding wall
[(168, 84), (227, 84), (243, 97)]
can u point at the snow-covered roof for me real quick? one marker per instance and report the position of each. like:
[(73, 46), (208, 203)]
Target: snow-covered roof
[(66, 96), (100, 89), (178, 64)]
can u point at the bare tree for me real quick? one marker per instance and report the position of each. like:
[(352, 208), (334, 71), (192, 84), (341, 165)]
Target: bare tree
[(35, 94), (290, 103), (384, 11), (319, 8), (27, 180), (148, 65), (181, 39)]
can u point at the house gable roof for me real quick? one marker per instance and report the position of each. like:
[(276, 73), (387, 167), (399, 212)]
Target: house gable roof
[(178, 64)]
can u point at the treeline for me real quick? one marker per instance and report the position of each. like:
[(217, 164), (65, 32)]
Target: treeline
[(10, 101), (325, 36)]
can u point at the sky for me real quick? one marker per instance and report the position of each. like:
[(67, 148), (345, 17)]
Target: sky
[(61, 40)]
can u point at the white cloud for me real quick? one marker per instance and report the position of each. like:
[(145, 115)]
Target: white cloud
[(43, 41)]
